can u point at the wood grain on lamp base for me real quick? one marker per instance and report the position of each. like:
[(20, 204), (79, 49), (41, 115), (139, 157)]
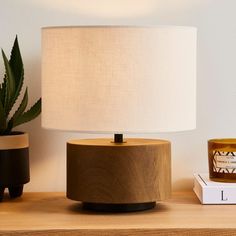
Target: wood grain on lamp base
[(101, 171)]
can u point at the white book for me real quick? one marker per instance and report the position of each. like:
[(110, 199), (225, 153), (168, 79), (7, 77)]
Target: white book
[(211, 192)]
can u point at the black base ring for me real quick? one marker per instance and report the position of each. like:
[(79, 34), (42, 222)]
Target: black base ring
[(107, 207)]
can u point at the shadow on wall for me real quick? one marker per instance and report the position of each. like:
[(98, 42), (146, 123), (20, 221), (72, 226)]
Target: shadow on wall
[(184, 184)]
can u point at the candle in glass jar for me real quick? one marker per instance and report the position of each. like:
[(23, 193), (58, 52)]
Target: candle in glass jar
[(222, 160)]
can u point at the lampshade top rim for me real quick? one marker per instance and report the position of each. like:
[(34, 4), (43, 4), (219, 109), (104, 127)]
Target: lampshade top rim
[(121, 26)]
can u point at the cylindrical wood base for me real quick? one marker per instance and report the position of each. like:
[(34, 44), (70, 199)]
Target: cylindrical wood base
[(100, 171)]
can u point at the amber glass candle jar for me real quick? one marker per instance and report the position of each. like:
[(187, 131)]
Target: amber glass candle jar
[(222, 160)]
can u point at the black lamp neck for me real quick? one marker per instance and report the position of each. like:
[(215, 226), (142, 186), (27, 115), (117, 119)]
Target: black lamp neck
[(118, 138)]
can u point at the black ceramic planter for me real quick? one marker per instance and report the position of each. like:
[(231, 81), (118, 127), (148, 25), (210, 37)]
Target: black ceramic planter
[(14, 163)]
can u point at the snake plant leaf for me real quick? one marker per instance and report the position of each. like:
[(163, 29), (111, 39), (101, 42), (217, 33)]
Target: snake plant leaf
[(3, 90), (9, 128), (3, 119), (21, 108), (29, 115), (10, 84), (17, 67), (16, 63), (18, 90)]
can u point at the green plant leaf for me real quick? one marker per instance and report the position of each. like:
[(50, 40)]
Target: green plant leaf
[(17, 67), (7, 131), (3, 119), (17, 92), (10, 84), (3, 90), (16, 63), (29, 115), (21, 107)]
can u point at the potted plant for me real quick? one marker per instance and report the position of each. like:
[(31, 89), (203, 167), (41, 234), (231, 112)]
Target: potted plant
[(14, 152)]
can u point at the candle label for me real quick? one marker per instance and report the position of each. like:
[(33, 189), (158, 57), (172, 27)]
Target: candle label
[(224, 162)]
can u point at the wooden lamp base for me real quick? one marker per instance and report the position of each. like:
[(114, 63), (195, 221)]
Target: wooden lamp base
[(108, 176)]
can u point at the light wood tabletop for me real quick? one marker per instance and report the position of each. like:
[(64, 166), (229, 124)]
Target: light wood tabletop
[(53, 214)]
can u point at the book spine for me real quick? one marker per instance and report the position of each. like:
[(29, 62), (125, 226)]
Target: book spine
[(219, 195), (197, 188)]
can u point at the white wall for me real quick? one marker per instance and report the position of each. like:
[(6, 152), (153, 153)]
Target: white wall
[(216, 23)]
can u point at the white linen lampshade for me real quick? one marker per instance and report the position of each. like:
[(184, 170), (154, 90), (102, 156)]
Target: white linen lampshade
[(119, 79)]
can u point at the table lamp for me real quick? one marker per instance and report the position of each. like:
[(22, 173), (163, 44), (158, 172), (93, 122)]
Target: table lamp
[(119, 80)]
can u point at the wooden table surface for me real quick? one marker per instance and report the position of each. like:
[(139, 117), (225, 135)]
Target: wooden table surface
[(53, 214)]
